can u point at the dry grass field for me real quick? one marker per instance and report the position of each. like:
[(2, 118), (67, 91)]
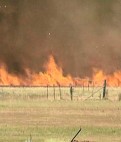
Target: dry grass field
[(28, 112)]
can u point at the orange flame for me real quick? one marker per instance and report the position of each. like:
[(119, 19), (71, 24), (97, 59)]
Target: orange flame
[(112, 80), (54, 76)]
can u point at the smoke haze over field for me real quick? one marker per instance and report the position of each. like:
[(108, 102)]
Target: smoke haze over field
[(80, 34)]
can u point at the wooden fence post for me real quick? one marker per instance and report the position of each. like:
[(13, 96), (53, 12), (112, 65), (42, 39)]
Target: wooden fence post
[(92, 87), (71, 93), (60, 92), (104, 89), (47, 91), (54, 91), (83, 88)]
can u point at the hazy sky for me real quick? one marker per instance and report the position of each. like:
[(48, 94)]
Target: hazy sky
[(80, 34)]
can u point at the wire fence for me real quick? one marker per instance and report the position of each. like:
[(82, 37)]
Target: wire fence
[(84, 92), (50, 93)]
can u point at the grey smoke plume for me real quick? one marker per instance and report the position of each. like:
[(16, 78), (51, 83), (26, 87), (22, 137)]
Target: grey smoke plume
[(80, 34)]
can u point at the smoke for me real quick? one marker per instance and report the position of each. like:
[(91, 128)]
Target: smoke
[(80, 34)]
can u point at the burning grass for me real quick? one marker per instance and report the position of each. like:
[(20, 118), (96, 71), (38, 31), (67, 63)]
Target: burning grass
[(54, 75)]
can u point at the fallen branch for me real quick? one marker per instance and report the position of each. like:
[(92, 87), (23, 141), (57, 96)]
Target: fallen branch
[(76, 135)]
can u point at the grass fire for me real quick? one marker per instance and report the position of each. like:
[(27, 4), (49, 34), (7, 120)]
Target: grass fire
[(53, 75), (60, 71)]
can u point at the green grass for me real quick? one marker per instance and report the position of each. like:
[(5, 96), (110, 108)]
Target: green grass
[(59, 120)]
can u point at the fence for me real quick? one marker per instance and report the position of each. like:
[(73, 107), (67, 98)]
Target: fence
[(61, 92)]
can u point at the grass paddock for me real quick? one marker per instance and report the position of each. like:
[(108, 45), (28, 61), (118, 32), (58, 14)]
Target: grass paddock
[(59, 120)]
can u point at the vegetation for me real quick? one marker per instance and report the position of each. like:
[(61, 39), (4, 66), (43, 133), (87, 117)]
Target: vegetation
[(58, 120)]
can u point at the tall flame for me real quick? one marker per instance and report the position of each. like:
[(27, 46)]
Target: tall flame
[(54, 76)]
